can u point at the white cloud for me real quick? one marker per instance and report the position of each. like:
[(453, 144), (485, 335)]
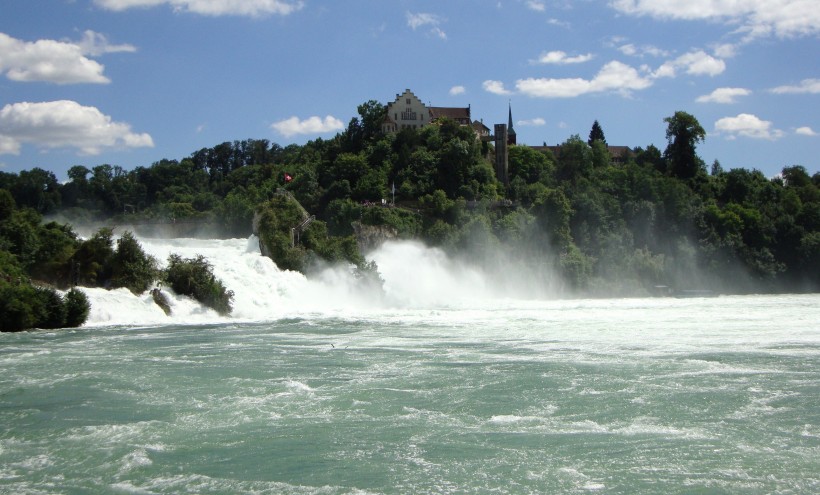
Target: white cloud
[(640, 51), (697, 63), (558, 23), (538, 121), (495, 87), (700, 63), (536, 5), (614, 76), (416, 21), (96, 44), (252, 8), (726, 50), (439, 33), (806, 86), (554, 88), (747, 125), (312, 125), (757, 18), (805, 131), (723, 95), (560, 58), (457, 90), (64, 124), (59, 62)]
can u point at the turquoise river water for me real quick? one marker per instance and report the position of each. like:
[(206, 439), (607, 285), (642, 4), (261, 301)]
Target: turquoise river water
[(712, 395)]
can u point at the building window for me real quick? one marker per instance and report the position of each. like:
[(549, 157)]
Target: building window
[(408, 101)]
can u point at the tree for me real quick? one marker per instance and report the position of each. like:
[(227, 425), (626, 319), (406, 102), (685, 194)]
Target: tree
[(532, 166), (600, 154), (553, 211), (574, 160), (683, 132), (131, 267), (38, 189), (78, 173), (92, 259), (367, 128), (596, 134), (372, 115), (796, 176), (77, 308), (194, 277), (7, 204), (650, 157)]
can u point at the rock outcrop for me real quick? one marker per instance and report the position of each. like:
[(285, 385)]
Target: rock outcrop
[(369, 237)]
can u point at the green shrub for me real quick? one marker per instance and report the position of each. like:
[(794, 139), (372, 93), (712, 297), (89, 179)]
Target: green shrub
[(15, 307), (131, 267), (77, 308), (49, 308), (24, 306), (194, 277), (92, 260)]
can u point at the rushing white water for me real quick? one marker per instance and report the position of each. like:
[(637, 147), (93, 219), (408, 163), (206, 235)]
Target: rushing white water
[(414, 275)]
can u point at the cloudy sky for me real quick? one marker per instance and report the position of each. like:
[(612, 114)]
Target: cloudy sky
[(129, 82)]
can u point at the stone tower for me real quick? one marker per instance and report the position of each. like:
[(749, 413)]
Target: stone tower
[(501, 155)]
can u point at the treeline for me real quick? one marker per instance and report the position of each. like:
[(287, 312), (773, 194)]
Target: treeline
[(575, 218)]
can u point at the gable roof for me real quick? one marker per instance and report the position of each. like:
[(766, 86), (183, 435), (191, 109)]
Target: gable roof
[(480, 127), (455, 113)]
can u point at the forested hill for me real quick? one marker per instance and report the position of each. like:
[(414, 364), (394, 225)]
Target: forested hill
[(576, 220)]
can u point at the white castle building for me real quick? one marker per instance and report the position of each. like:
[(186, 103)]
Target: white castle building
[(407, 111)]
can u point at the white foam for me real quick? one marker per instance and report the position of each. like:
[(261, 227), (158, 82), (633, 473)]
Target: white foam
[(136, 459), (423, 285), (415, 276), (298, 387)]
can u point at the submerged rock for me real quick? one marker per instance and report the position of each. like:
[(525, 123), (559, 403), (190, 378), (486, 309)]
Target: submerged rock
[(161, 300)]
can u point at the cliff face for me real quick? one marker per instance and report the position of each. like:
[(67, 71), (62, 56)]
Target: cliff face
[(274, 223), (263, 247), (369, 237)]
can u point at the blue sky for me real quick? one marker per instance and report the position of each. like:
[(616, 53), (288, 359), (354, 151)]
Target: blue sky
[(129, 82)]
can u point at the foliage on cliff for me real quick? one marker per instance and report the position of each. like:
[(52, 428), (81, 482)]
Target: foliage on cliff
[(296, 241), (654, 216)]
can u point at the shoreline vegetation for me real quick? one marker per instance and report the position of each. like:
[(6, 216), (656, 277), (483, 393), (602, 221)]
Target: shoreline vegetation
[(576, 219)]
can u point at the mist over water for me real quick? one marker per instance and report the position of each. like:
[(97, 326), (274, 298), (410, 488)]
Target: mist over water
[(415, 277), (447, 384)]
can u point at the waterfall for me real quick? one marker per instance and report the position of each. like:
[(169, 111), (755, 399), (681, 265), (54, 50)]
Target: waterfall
[(415, 276)]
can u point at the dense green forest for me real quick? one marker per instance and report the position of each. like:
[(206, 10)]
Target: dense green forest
[(576, 222)]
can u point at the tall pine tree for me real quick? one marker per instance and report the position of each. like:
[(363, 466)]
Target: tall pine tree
[(596, 134)]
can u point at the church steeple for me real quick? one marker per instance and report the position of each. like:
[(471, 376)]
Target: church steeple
[(510, 130)]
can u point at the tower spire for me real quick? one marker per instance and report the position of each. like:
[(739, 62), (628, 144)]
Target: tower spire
[(510, 131)]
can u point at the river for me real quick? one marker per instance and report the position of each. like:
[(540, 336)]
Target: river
[(446, 386)]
